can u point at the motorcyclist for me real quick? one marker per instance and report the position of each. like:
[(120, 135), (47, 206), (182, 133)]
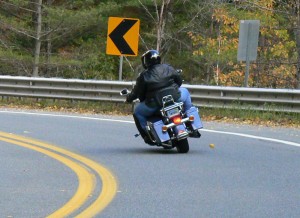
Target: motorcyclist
[(156, 77)]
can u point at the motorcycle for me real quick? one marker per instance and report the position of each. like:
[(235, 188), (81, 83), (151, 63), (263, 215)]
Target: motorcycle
[(171, 126)]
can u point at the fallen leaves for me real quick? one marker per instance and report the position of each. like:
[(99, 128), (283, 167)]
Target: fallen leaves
[(249, 118), (255, 121)]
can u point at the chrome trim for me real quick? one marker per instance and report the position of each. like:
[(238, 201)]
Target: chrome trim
[(183, 135), (170, 125)]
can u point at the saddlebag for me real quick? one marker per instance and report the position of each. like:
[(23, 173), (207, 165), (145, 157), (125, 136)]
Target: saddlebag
[(161, 136), (197, 123)]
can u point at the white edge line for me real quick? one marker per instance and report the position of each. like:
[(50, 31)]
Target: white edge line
[(126, 121), (68, 116), (254, 137)]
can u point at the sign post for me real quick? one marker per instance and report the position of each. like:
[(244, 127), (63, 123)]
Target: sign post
[(248, 42), (121, 67), (122, 38)]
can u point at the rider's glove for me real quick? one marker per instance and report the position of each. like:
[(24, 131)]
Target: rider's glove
[(129, 99)]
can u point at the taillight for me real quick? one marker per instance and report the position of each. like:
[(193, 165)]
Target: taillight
[(176, 120)]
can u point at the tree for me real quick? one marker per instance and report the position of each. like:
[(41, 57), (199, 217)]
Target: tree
[(65, 27), (291, 11), (37, 38), (219, 45), (15, 26), (201, 37), (168, 25), (216, 44), (160, 19)]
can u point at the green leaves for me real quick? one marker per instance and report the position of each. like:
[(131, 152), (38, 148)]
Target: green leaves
[(201, 37), (218, 45)]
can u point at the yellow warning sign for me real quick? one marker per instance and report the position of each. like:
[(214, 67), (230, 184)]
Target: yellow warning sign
[(123, 36)]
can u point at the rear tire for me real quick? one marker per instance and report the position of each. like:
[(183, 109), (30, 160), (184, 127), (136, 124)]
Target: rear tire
[(182, 146)]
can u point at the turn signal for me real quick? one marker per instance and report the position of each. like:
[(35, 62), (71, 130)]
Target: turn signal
[(164, 128), (191, 118)]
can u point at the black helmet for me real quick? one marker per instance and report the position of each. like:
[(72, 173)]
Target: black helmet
[(150, 58)]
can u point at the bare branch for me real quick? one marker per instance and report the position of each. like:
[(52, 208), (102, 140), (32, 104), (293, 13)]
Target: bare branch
[(23, 32), (146, 9), (25, 9)]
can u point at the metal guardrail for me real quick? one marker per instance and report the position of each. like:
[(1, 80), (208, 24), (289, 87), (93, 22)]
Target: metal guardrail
[(95, 90)]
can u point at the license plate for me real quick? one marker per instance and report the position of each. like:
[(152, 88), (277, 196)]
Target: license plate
[(172, 112)]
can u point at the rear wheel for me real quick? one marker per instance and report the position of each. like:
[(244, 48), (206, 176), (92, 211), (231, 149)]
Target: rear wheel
[(182, 146)]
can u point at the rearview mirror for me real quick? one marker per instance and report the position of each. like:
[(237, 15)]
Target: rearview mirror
[(179, 71), (124, 92)]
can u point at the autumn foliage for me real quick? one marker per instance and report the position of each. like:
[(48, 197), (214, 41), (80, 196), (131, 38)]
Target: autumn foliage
[(276, 65), (200, 37)]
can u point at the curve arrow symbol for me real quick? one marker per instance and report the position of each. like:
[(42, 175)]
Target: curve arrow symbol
[(117, 36)]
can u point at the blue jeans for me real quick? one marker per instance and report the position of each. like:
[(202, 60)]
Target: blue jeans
[(142, 111)]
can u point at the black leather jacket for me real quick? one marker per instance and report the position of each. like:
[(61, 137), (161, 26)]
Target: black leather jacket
[(155, 78)]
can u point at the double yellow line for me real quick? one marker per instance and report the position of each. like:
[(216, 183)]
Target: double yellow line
[(83, 167)]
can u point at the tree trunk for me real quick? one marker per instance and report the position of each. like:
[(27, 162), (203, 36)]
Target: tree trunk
[(298, 59), (297, 35), (161, 22), (37, 39), (48, 41)]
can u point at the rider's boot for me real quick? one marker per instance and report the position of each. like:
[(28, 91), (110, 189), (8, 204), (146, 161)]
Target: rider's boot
[(148, 140), (195, 134), (142, 131)]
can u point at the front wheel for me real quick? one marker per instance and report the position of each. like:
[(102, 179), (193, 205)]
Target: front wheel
[(182, 146)]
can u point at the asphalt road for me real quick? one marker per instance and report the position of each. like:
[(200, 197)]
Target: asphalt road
[(253, 171)]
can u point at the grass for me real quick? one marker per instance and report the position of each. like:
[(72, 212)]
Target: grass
[(66, 106), (255, 117), (235, 115)]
